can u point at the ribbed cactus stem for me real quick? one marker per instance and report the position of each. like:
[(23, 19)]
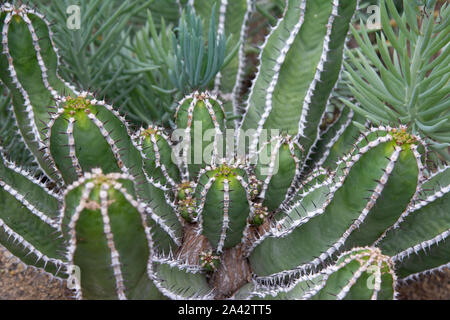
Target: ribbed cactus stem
[(319, 71), (276, 92), (236, 92), (28, 219), (220, 33), (156, 149), (200, 114), (363, 272), (225, 184), (419, 240), (334, 141), (100, 220), (280, 176), (391, 169), (22, 199), (29, 62), (84, 133), (276, 71)]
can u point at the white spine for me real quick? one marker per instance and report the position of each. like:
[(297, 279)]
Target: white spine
[(345, 290), (15, 80), (21, 198), (339, 133), (413, 205), (252, 88), (220, 33), (28, 246), (199, 209), (72, 149), (115, 261), (274, 81), (422, 246), (319, 70), (226, 218), (12, 166), (242, 60)]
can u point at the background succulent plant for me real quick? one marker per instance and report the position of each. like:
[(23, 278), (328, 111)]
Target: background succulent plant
[(328, 216), (409, 85)]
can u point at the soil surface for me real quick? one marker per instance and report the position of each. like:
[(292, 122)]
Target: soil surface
[(20, 283), (434, 286)]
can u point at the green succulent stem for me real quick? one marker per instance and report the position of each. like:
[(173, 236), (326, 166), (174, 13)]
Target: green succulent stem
[(323, 207)]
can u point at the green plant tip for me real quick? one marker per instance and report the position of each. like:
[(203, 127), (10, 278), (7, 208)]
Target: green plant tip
[(185, 191), (73, 105), (187, 209), (209, 261), (254, 186), (150, 132), (186, 202), (372, 255), (225, 171), (402, 137), (98, 178), (260, 214)]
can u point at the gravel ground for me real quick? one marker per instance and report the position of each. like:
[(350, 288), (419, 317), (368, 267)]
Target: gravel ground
[(430, 287), (18, 283)]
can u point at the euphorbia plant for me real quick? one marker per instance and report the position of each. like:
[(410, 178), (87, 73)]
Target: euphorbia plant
[(144, 222)]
